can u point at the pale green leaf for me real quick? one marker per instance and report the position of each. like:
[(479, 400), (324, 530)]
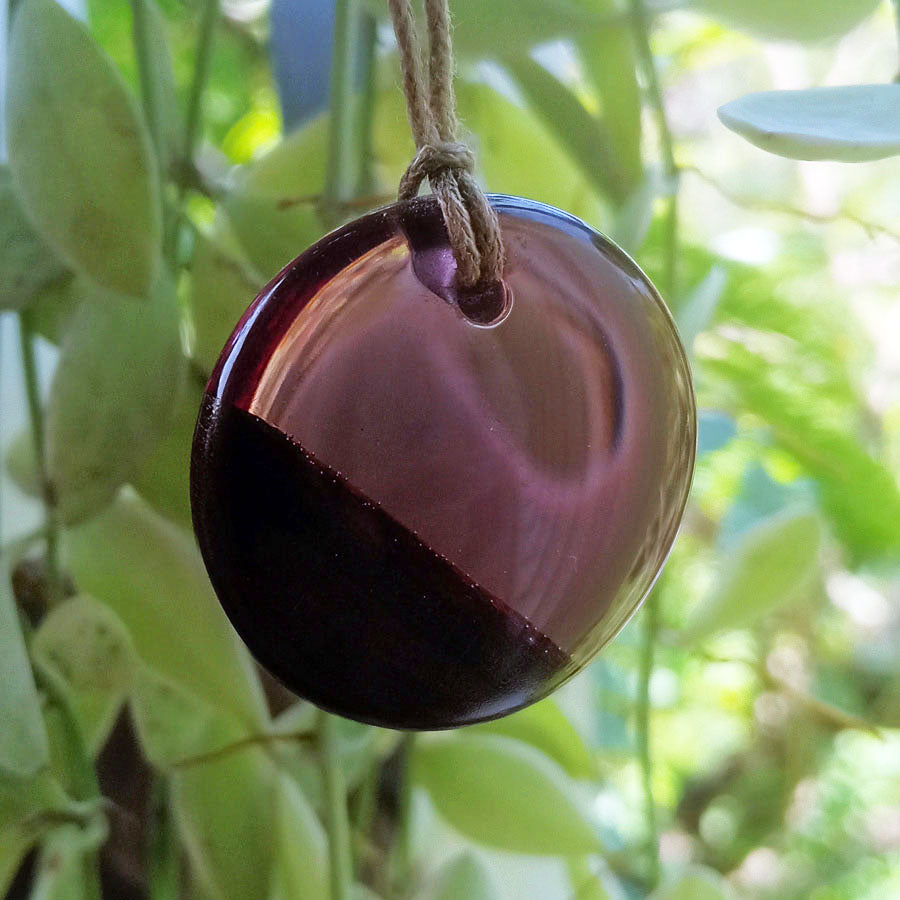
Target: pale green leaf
[(775, 564), (222, 287), (82, 167), (545, 726), (27, 264), (301, 847), (23, 739), (608, 56), (696, 311), (695, 883), (225, 810), (853, 123), (120, 373), (583, 136), (150, 572), (593, 882), (505, 794), (789, 20), (87, 644), (465, 877)]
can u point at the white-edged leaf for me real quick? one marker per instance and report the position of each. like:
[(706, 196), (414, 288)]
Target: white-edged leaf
[(23, 738), (150, 572), (852, 123), (774, 564), (86, 642), (79, 152), (788, 20), (505, 794)]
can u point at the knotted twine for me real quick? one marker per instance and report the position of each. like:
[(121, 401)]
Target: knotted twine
[(446, 162)]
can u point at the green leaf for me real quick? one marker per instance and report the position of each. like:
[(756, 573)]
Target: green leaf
[(854, 123), (222, 287), (774, 564), (590, 885), (120, 372), (225, 810), (23, 739), (505, 794), (545, 726), (789, 21), (301, 847), (164, 480), (465, 877), (270, 211), (608, 56), (27, 264), (160, 80), (89, 647), (151, 574), (695, 883), (83, 167), (522, 24), (697, 310), (577, 130)]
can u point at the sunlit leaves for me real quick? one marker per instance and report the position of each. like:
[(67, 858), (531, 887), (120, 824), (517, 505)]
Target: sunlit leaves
[(120, 372), (696, 883), (506, 794), (150, 572), (79, 153), (775, 564), (23, 740), (789, 21), (854, 123)]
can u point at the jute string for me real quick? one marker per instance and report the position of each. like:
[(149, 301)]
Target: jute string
[(472, 224)]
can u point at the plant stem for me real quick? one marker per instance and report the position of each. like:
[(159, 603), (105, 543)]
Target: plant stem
[(641, 20), (340, 181), (149, 97), (401, 857), (368, 32), (651, 627), (36, 416), (336, 819), (896, 5)]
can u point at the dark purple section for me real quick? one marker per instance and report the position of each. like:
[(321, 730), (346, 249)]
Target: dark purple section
[(342, 603)]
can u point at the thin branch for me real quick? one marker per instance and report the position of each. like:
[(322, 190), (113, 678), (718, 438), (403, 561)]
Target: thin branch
[(253, 740)]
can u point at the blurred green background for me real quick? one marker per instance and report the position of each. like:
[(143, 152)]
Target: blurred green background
[(738, 739)]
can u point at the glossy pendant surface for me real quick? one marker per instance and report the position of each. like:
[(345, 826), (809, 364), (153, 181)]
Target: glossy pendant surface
[(421, 508)]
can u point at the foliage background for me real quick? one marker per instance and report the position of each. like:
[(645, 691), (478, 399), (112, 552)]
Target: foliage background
[(740, 736)]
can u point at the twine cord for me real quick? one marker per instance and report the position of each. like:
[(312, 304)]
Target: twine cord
[(447, 163)]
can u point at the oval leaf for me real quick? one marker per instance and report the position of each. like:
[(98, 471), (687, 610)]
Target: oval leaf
[(854, 123), (545, 726), (225, 810), (774, 564), (465, 877), (505, 794), (789, 21), (151, 574), (120, 372), (86, 642), (27, 264), (23, 738), (301, 848), (79, 153)]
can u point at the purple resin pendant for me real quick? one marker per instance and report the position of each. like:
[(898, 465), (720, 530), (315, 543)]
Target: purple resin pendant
[(421, 508)]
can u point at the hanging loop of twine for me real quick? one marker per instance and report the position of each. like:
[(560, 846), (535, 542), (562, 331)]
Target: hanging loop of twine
[(447, 163)]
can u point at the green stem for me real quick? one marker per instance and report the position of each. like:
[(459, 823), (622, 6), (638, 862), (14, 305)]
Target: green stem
[(641, 21), (336, 819), (896, 5), (151, 101), (340, 180), (401, 860), (368, 29), (202, 65), (651, 627), (36, 416)]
